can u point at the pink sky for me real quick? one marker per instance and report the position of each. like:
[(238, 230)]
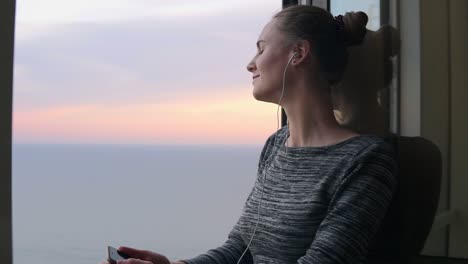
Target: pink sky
[(141, 72), (149, 72), (227, 118)]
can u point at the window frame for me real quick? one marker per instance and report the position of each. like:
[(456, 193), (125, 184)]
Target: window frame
[(7, 28)]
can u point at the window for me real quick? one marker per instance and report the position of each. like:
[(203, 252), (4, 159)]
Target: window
[(370, 7), (134, 124), (51, 218)]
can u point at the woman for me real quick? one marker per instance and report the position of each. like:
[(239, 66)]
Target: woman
[(322, 190)]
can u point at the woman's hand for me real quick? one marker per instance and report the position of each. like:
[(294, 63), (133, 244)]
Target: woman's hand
[(141, 257)]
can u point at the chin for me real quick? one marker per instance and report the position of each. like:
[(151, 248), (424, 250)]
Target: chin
[(260, 95)]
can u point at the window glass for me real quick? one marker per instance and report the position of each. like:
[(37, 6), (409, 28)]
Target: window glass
[(370, 7), (425, 116), (134, 124), (365, 99)]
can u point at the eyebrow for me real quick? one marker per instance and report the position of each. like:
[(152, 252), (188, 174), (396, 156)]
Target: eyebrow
[(258, 43)]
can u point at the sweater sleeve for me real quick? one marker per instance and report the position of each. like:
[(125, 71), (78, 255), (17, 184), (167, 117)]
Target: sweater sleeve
[(232, 249), (358, 206), (228, 253)]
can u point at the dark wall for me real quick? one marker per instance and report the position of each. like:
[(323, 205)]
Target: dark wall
[(7, 20)]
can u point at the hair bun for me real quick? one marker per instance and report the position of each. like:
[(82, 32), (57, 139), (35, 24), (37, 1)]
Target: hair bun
[(389, 36), (355, 27)]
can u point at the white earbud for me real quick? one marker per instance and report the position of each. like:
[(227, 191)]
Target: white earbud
[(294, 54)]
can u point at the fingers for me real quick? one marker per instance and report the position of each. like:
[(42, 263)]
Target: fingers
[(144, 255), (134, 261), (133, 252), (140, 254)]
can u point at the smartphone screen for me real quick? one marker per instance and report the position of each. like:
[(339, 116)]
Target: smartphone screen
[(113, 255)]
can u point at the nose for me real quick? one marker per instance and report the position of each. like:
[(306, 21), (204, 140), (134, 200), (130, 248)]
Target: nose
[(251, 66)]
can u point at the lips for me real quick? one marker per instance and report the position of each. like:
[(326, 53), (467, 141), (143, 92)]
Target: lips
[(255, 76)]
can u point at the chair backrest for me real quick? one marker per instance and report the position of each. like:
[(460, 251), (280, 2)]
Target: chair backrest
[(411, 214)]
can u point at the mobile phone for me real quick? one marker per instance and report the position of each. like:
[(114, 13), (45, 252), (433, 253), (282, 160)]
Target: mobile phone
[(113, 255)]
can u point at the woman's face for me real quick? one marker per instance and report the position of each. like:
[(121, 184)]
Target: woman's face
[(268, 64)]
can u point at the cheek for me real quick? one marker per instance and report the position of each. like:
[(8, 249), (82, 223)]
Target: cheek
[(265, 63), (274, 58), (260, 62)]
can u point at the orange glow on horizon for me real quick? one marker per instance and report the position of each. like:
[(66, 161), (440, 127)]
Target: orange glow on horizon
[(223, 118)]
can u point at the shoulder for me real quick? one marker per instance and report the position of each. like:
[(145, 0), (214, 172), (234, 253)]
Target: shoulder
[(272, 142), (364, 147), (276, 138), (373, 157)]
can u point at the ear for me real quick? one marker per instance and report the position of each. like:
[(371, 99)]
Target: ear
[(302, 49)]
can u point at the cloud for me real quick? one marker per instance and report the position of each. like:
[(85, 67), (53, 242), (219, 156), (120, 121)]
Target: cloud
[(150, 60), (150, 79), (78, 11)]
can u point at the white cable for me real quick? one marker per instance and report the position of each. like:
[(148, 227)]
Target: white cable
[(269, 163)]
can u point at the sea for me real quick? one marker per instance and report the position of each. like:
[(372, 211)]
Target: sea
[(71, 201)]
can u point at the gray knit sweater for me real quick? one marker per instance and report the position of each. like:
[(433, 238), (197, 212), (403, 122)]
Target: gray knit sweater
[(320, 204)]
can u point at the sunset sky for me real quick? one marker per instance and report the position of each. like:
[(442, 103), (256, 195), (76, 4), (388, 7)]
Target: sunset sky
[(141, 71)]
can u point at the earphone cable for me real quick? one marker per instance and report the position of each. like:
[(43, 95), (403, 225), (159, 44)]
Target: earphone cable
[(267, 167)]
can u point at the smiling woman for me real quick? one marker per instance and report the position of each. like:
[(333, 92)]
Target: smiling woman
[(322, 190)]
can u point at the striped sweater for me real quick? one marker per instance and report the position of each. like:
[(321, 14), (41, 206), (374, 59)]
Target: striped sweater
[(320, 204)]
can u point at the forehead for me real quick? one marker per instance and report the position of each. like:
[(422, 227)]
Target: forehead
[(270, 32)]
